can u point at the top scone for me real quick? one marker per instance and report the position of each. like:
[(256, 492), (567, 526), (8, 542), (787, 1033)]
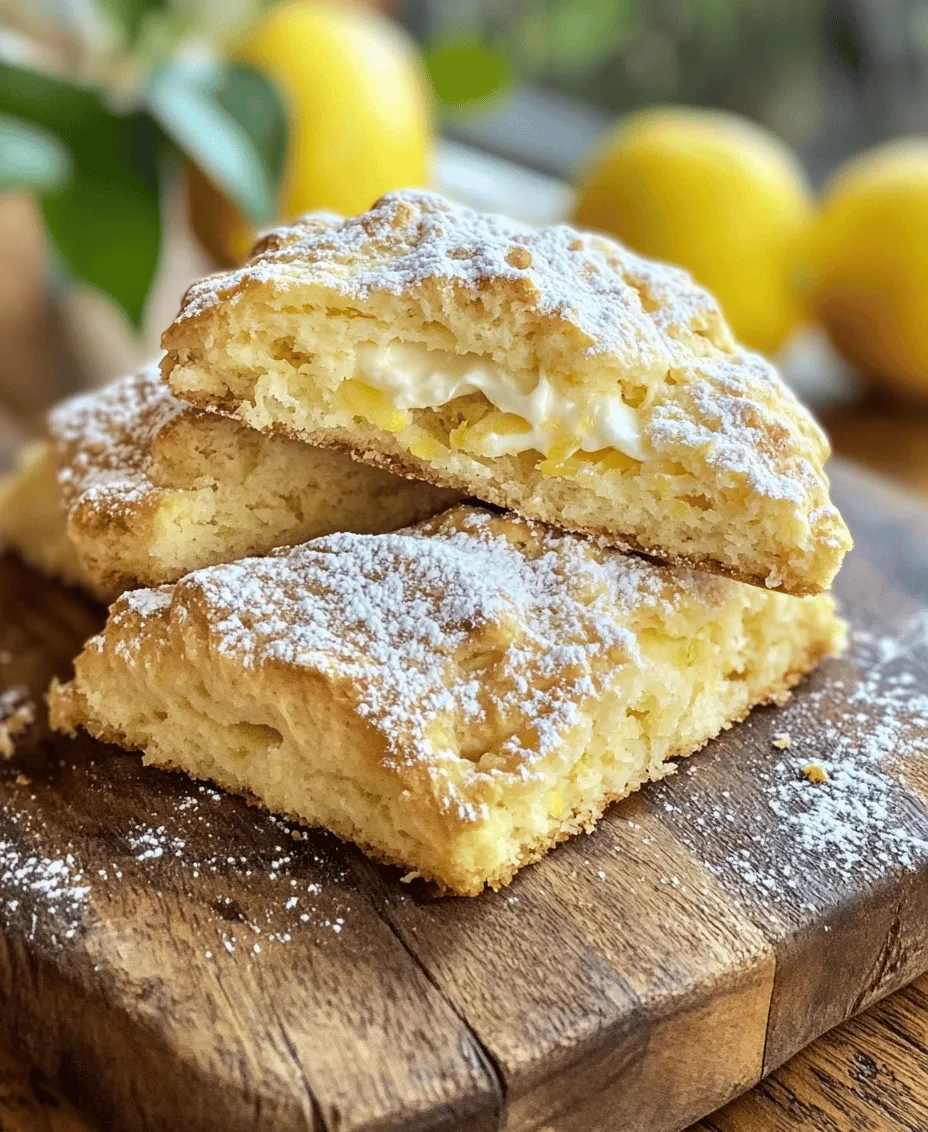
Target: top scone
[(545, 370)]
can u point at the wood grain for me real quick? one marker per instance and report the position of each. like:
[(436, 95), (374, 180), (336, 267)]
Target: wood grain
[(636, 979), (840, 942), (28, 1103), (869, 1075), (619, 980), (147, 1019)]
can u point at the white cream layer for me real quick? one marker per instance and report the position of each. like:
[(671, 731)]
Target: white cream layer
[(414, 377)]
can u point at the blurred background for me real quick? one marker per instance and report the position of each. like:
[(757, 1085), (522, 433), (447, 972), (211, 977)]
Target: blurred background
[(777, 150)]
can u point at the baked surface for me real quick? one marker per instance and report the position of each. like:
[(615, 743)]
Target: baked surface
[(32, 518), (152, 488), (720, 467), (455, 698)]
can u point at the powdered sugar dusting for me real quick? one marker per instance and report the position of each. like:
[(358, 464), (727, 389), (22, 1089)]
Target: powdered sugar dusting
[(37, 886), (854, 817), (148, 602), (410, 237), (104, 438), (261, 885), (726, 425), (253, 877), (449, 634), (644, 319)]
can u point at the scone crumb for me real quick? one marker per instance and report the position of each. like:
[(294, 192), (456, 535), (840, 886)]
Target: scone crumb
[(782, 740), (519, 256), (17, 711), (815, 774)]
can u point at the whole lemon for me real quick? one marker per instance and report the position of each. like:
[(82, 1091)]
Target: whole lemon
[(359, 114), (869, 251), (715, 193)]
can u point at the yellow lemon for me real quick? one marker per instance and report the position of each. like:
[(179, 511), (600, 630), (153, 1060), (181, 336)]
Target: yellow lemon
[(359, 113), (717, 194), (869, 250)]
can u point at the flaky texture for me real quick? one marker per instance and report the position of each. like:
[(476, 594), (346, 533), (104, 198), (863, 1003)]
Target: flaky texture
[(455, 698), (729, 476), (33, 520), (152, 488)]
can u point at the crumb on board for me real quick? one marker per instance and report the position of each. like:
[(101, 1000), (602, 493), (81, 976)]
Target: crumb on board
[(782, 740), (17, 711), (815, 774)]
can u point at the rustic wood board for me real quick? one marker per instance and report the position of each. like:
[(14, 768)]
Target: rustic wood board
[(869, 1074), (174, 959)]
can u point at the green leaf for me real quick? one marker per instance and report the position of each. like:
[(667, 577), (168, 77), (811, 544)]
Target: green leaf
[(250, 97), (583, 33), (30, 157), (183, 98), (466, 71), (105, 221), (129, 14), (50, 103)]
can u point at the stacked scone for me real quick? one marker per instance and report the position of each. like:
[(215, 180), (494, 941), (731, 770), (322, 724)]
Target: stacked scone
[(457, 696), (133, 487)]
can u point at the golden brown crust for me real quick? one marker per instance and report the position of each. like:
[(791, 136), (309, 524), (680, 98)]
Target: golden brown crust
[(404, 464), (433, 694), (581, 820), (33, 521), (720, 431), (153, 487)]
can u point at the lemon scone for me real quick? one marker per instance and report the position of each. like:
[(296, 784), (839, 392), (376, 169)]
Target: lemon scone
[(455, 698), (153, 488), (544, 370), (32, 517)]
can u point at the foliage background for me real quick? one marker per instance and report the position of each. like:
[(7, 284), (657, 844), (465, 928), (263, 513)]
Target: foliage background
[(830, 76)]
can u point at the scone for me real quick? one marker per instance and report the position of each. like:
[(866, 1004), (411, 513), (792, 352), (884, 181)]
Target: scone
[(32, 518), (543, 370), (153, 488), (455, 698)]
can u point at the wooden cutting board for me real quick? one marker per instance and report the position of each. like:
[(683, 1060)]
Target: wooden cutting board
[(177, 960)]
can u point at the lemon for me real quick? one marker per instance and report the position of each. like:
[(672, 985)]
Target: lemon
[(359, 114), (869, 251), (717, 194)]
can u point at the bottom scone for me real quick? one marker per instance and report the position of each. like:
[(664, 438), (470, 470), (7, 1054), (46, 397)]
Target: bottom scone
[(455, 698), (134, 487), (32, 520)]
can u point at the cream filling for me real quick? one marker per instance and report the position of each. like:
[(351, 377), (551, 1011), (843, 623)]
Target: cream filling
[(556, 422)]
